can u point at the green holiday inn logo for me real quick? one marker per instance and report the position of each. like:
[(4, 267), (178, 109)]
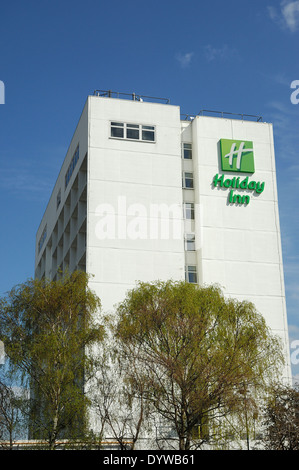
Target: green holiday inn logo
[(237, 155)]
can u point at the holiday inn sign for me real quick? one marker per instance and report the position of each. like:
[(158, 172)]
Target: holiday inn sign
[(237, 156)]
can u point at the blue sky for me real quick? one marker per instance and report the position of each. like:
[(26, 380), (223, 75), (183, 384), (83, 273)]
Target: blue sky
[(237, 56)]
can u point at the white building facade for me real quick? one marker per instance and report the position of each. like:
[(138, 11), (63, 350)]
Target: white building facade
[(144, 195)]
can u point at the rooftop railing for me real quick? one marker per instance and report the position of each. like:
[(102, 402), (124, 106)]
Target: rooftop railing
[(184, 117), (223, 114), (130, 96)]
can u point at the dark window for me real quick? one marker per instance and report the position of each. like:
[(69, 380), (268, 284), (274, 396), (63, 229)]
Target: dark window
[(133, 131), (117, 129), (72, 166), (189, 210), (42, 238), (139, 132), (58, 199), (191, 274), (188, 180), (190, 242), (148, 133), (187, 151)]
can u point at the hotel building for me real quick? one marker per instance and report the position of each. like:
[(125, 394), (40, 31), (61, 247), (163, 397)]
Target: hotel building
[(145, 194)]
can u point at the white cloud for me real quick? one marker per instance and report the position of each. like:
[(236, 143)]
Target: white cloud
[(285, 119), (290, 12), (218, 53), (184, 59), (210, 52), (293, 291), (23, 180), (272, 13), (288, 16), (293, 332)]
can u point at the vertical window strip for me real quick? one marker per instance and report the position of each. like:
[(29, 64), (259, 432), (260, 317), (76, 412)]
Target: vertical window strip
[(42, 238), (58, 199), (71, 167)]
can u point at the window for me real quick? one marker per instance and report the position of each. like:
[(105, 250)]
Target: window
[(117, 129), (148, 133), (190, 242), (189, 210), (187, 151), (132, 131), (188, 180), (121, 130), (72, 166), (42, 238), (58, 199), (191, 274)]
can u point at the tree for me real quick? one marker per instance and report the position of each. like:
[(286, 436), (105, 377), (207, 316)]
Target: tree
[(12, 422), (197, 350), (47, 328), (281, 419), (123, 413)]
